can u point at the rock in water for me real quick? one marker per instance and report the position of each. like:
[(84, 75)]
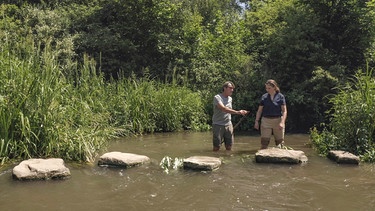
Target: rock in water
[(276, 155), (120, 159), (41, 169), (343, 157), (204, 163)]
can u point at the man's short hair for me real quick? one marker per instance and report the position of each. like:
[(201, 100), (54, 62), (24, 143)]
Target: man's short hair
[(227, 84)]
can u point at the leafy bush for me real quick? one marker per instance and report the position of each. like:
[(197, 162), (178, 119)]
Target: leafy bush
[(323, 141), (352, 119)]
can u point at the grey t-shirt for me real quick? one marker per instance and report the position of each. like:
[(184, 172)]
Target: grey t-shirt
[(219, 117)]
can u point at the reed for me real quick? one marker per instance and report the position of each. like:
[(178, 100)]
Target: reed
[(42, 113), (48, 110), (352, 125), (148, 106)]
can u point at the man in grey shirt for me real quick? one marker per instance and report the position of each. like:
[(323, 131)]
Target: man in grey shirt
[(221, 120)]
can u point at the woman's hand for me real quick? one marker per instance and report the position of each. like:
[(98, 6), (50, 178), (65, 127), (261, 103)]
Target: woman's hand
[(256, 125)]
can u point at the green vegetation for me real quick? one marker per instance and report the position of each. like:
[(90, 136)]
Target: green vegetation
[(46, 112), (77, 73), (352, 125)]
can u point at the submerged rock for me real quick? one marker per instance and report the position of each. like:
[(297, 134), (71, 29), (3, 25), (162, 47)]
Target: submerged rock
[(343, 157), (202, 163), (120, 159), (276, 155), (41, 169)]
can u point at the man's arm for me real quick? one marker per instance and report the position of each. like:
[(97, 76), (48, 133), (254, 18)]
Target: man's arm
[(225, 109)]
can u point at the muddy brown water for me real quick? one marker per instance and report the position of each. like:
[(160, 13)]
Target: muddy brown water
[(239, 183)]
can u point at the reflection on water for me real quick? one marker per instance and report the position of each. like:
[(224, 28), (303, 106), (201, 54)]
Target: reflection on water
[(239, 184)]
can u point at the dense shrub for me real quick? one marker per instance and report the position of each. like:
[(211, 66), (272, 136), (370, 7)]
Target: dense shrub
[(352, 125)]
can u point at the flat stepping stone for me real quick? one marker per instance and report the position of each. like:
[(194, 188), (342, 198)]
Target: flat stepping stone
[(202, 163), (41, 169), (343, 157), (120, 159), (276, 155)]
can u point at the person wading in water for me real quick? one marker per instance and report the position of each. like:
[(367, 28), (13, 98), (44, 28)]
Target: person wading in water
[(221, 119), (272, 109)]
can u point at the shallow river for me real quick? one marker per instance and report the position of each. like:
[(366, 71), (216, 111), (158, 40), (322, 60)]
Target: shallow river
[(239, 183)]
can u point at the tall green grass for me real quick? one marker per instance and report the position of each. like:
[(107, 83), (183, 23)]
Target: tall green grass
[(54, 106), (42, 113), (146, 106), (47, 111), (352, 125)]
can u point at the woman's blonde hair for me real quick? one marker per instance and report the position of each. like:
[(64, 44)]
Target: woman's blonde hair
[(273, 83)]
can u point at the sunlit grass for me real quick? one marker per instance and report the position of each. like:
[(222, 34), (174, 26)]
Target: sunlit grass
[(49, 111), (352, 125)]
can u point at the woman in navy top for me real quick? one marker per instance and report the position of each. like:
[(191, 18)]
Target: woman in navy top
[(272, 112)]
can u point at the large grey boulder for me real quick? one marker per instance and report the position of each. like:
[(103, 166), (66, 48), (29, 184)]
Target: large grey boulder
[(120, 159), (343, 157), (202, 163), (276, 155), (41, 169)]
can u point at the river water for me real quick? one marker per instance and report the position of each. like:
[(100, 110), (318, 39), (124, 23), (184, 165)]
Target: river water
[(239, 184)]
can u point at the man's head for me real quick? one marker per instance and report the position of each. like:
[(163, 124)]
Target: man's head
[(228, 88)]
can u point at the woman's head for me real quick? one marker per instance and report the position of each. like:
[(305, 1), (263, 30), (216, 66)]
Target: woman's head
[(273, 85)]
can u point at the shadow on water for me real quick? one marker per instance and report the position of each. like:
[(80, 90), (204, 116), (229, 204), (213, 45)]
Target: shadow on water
[(239, 184)]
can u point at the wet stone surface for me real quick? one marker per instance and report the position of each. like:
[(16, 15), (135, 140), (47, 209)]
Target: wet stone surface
[(276, 155), (41, 169), (203, 163), (343, 157), (121, 159)]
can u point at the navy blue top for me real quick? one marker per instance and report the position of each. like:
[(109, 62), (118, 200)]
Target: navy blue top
[(272, 108)]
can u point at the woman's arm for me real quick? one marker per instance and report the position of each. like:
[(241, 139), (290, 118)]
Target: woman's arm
[(283, 117), (257, 117)]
